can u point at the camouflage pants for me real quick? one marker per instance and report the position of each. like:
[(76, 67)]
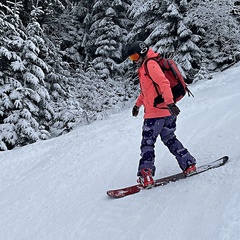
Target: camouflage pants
[(165, 128)]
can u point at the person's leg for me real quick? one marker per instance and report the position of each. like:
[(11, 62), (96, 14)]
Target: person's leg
[(151, 129), (168, 137)]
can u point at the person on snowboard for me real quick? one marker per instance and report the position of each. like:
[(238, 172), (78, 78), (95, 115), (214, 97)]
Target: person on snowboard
[(159, 120)]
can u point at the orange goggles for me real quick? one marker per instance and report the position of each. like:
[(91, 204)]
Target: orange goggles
[(134, 57)]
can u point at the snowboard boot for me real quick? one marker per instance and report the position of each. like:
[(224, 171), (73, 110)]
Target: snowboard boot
[(190, 170), (146, 179)]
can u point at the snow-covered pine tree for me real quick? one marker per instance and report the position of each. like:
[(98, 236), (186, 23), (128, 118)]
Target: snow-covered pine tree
[(66, 34), (82, 12), (50, 9), (146, 15), (63, 35), (71, 35), (67, 102), (188, 53), (25, 13), (221, 42), (169, 30), (23, 95), (102, 46), (203, 74), (106, 37), (174, 38), (8, 136), (33, 55)]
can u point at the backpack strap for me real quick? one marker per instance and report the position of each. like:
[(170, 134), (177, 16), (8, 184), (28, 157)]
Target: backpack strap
[(159, 97), (147, 72), (189, 92)]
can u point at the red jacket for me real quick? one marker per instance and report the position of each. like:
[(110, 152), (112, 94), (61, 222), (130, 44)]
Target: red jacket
[(148, 91)]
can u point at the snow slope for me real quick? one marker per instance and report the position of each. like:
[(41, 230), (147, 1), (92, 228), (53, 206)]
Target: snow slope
[(55, 189)]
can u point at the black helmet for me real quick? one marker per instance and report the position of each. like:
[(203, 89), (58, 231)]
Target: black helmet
[(139, 47)]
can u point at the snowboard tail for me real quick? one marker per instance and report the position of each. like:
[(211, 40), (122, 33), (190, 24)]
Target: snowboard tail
[(123, 192)]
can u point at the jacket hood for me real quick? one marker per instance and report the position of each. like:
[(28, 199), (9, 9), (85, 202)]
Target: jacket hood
[(151, 53)]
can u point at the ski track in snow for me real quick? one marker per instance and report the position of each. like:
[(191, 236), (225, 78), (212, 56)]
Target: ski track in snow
[(56, 189)]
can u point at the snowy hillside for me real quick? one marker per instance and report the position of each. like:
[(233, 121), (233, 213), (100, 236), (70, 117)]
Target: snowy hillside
[(56, 189)]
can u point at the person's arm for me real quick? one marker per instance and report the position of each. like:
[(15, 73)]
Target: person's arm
[(159, 78)]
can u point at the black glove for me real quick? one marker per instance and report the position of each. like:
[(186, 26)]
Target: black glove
[(135, 111), (173, 109)]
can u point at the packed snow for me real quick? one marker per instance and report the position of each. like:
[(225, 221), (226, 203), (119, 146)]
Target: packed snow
[(56, 189)]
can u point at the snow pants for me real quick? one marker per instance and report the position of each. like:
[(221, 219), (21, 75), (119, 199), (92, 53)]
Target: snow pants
[(165, 128)]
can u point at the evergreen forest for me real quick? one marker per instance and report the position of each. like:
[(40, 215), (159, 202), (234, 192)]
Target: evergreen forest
[(63, 63)]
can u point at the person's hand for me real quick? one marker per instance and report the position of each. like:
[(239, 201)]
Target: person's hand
[(173, 109), (135, 111)]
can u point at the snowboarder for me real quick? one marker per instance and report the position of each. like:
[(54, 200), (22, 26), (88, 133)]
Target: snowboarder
[(159, 120)]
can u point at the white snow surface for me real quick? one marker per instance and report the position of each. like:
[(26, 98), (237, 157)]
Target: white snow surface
[(56, 189)]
